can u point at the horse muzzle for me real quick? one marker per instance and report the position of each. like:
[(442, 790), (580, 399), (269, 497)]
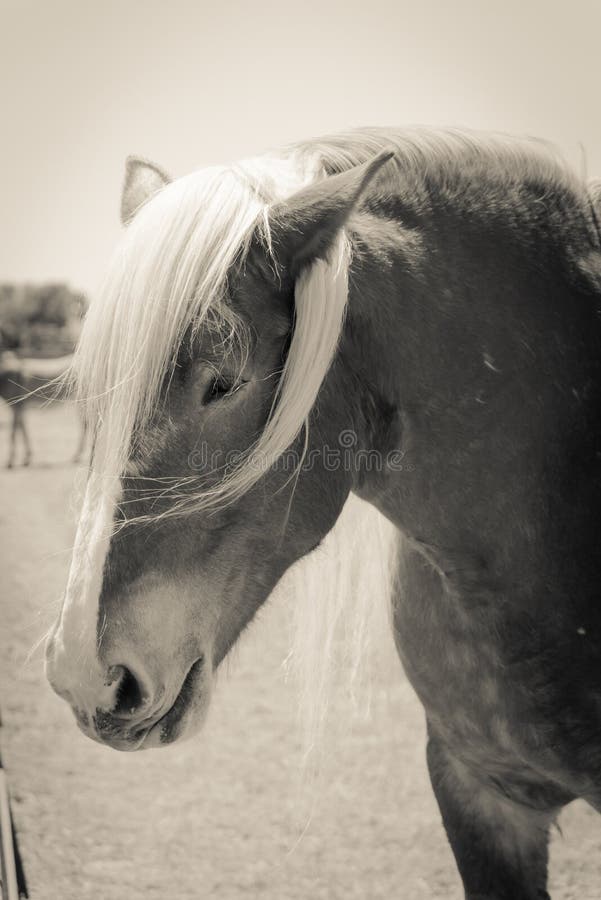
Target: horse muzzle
[(125, 707)]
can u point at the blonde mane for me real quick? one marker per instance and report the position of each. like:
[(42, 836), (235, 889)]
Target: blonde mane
[(169, 276)]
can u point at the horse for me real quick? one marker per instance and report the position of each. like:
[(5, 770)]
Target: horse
[(20, 379), (11, 390), (407, 321)]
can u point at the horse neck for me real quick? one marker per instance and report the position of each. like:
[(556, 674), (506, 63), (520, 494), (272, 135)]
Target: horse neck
[(453, 330)]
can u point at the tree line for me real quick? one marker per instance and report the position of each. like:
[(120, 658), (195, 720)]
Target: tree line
[(40, 319)]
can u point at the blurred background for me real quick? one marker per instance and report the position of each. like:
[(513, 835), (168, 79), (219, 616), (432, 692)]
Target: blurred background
[(82, 85)]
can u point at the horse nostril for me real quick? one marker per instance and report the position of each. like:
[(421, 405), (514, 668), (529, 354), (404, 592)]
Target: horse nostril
[(129, 694)]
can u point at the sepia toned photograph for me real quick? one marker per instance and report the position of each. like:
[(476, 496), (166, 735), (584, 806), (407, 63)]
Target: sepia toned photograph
[(300, 450)]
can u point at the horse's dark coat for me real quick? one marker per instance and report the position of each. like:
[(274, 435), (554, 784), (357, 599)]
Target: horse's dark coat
[(475, 304), (490, 326)]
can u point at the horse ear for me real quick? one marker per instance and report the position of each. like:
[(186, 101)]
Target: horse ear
[(143, 179), (304, 227)]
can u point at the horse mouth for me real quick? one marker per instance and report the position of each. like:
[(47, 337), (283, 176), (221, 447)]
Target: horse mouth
[(163, 730), (167, 726)]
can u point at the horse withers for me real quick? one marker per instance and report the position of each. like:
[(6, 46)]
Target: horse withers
[(436, 297)]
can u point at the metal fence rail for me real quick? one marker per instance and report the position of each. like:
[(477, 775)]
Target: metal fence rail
[(12, 876)]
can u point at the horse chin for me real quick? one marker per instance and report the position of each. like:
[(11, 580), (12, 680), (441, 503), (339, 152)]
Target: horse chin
[(186, 715)]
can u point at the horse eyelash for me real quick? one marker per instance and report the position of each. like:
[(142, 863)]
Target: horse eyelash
[(220, 388), (217, 389)]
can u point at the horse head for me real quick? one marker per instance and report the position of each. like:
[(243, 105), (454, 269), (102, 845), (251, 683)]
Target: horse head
[(211, 373)]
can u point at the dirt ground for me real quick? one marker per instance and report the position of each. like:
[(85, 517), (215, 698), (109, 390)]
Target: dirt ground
[(225, 815)]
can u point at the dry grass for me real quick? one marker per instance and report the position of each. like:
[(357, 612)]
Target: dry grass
[(225, 815)]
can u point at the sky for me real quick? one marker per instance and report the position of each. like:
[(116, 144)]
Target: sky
[(84, 83)]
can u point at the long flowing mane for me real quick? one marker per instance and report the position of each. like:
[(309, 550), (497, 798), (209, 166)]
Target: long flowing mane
[(170, 276)]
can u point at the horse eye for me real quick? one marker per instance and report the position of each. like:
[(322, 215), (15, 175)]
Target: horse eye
[(217, 389)]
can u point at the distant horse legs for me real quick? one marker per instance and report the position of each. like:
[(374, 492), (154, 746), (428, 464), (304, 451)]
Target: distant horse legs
[(18, 424), (501, 846)]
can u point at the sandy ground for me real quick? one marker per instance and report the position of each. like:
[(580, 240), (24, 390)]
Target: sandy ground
[(224, 815)]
